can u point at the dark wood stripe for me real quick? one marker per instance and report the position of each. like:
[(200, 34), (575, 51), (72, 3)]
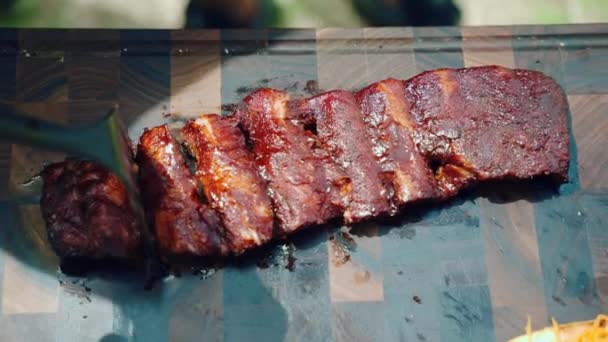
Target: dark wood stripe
[(5, 165), (144, 85), (88, 112), (8, 75), (8, 63), (41, 79), (92, 78)]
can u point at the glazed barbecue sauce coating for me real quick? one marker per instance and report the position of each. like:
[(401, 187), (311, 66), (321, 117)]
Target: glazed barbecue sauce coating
[(184, 226), (303, 184), (489, 123), (343, 134), (87, 212), (230, 180), (391, 129)]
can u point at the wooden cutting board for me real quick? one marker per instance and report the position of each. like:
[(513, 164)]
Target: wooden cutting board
[(473, 269)]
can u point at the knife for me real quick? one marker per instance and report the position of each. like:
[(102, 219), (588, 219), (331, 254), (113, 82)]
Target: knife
[(105, 142)]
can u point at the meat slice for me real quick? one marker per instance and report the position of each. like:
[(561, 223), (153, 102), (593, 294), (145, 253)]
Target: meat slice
[(184, 226), (303, 184), (343, 134), (230, 180), (391, 127), (489, 123), (87, 212)]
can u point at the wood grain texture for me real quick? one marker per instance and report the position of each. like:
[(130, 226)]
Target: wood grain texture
[(88, 112), (487, 46), (26, 290), (195, 73), (8, 76), (584, 63), (513, 266), (5, 167), (145, 79), (596, 222), (341, 65), (27, 161), (433, 39), (41, 79), (389, 53), (536, 48), (92, 78), (590, 124)]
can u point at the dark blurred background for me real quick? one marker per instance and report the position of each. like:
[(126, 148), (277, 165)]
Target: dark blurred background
[(295, 13)]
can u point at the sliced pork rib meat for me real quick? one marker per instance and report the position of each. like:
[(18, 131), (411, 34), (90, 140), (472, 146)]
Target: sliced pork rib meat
[(87, 212), (230, 180), (279, 165), (489, 123), (343, 134), (304, 185), (391, 129), (184, 226)]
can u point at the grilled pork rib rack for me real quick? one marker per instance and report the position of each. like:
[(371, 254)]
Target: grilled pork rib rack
[(279, 165)]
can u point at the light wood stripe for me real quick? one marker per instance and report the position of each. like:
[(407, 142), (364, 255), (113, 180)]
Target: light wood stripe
[(29, 288), (195, 74), (27, 161), (590, 127), (26, 289), (511, 248), (361, 278), (382, 64), (495, 49)]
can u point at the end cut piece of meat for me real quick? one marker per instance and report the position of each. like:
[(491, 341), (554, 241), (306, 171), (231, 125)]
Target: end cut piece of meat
[(303, 183), (87, 212), (184, 226), (230, 180), (489, 123)]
